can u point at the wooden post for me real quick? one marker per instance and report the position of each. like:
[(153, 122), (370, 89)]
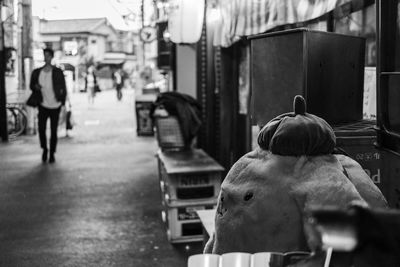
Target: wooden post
[(19, 45), (27, 59), (3, 111), (143, 43), (26, 40)]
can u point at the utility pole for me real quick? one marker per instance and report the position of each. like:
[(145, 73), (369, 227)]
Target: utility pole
[(143, 43), (3, 111), (26, 42), (25, 56)]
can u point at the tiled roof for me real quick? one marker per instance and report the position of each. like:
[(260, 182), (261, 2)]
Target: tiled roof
[(71, 25)]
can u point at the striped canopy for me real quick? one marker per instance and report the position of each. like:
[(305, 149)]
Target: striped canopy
[(238, 18)]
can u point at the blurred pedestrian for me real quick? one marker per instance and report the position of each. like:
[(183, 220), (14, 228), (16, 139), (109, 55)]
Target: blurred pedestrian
[(91, 84), (66, 121), (51, 82), (118, 83)]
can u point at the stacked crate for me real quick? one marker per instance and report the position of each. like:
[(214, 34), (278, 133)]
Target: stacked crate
[(358, 141), (190, 180)]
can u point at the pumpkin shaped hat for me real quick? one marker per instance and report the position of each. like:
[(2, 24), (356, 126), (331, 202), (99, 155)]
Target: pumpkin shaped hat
[(297, 133)]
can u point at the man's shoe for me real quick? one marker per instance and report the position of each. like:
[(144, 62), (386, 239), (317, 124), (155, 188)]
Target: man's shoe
[(44, 155), (52, 158)]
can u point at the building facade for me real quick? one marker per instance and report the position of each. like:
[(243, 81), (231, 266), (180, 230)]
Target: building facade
[(79, 43)]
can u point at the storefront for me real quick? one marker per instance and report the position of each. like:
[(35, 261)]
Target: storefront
[(222, 61)]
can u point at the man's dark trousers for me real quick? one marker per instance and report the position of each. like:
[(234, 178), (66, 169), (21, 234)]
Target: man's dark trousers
[(44, 114)]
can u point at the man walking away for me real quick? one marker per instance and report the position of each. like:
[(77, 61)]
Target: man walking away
[(51, 82), (118, 84), (91, 84)]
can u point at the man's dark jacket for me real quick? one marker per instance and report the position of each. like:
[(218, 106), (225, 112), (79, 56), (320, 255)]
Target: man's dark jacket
[(59, 87)]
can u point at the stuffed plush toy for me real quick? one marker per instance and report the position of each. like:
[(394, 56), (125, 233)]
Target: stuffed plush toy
[(265, 195)]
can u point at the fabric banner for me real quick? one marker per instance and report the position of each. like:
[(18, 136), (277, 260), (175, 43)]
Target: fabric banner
[(240, 18), (8, 3)]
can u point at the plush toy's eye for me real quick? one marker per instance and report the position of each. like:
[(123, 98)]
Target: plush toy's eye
[(248, 196)]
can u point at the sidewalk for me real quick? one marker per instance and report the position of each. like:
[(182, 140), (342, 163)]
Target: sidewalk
[(98, 205)]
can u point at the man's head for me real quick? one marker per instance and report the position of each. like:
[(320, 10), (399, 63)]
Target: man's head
[(48, 55)]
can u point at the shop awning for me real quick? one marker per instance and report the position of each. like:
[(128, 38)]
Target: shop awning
[(114, 58), (111, 61), (68, 66), (238, 18)]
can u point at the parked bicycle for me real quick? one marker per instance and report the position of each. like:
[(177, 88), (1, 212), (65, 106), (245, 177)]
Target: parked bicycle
[(16, 119)]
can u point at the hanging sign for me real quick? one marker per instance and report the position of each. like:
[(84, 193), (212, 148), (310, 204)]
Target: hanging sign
[(185, 20)]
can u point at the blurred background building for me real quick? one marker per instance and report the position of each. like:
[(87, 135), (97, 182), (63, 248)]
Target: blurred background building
[(79, 43)]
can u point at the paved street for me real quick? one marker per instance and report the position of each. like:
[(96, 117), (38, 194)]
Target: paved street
[(98, 205)]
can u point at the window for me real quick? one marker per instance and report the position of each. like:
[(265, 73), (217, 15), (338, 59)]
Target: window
[(109, 46), (70, 48)]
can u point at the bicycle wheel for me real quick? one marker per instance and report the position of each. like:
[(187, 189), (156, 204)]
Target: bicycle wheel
[(11, 120), (22, 121), (19, 121)]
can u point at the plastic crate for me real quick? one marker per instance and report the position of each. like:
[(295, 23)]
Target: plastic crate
[(365, 127), (186, 187), (169, 134), (188, 175), (182, 222), (358, 141)]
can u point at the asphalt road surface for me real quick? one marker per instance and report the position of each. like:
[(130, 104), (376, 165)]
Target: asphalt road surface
[(98, 205)]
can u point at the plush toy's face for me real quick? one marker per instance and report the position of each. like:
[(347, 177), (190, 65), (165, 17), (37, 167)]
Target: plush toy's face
[(263, 197), (250, 213)]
